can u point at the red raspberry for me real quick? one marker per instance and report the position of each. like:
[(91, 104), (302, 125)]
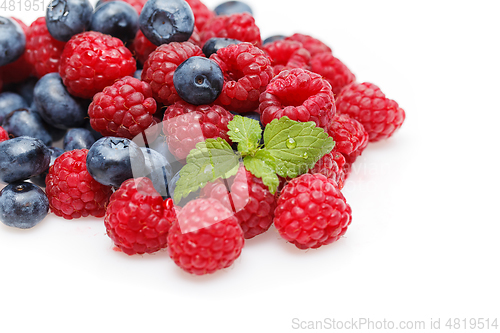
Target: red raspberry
[(239, 26), (351, 158), (20, 69), (185, 125), (333, 70), (311, 44), (3, 135), (287, 54), (137, 219), (300, 95), (160, 66), (331, 166), (347, 133), (205, 238), (251, 199), (365, 102), (72, 191), (137, 4), (123, 109), (141, 47), (247, 71), (201, 13), (42, 51), (92, 61), (311, 212)]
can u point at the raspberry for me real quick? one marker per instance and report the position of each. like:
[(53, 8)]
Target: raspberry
[(347, 133), (137, 4), (239, 26), (72, 191), (365, 102), (20, 69), (160, 66), (311, 212), (185, 125), (300, 95), (287, 54), (91, 61), (247, 71), (333, 70), (123, 109), (3, 134), (141, 47), (137, 219), (251, 199), (205, 238), (311, 44), (201, 13), (331, 166), (351, 158), (43, 52)]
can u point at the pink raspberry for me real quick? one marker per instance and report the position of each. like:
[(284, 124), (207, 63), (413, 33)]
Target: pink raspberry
[(287, 54)]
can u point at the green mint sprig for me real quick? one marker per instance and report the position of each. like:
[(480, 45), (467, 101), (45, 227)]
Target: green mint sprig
[(290, 149)]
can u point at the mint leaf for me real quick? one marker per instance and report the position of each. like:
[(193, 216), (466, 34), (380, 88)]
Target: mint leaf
[(246, 132), (262, 166), (295, 146), (210, 160)]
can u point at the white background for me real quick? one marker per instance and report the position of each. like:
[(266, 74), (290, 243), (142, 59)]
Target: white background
[(424, 241)]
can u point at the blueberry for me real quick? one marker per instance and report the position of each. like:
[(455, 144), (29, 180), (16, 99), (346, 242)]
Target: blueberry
[(9, 102), (158, 170), (160, 145), (271, 39), (198, 80), (112, 160), (213, 45), (66, 18), (22, 158), (95, 134), (12, 41), (40, 179), (137, 74), (23, 122), (165, 21), (232, 7), (172, 184), (116, 18), (25, 89), (56, 106), (23, 205), (78, 138)]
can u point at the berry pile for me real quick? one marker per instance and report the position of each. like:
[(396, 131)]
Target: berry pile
[(180, 128)]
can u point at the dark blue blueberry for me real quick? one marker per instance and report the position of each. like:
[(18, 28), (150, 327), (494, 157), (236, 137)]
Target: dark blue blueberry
[(25, 89), (161, 146), (9, 102), (12, 41), (232, 7), (213, 45), (158, 170), (95, 134), (23, 122), (78, 138), (165, 21), (137, 74), (198, 80), (274, 38), (116, 18), (56, 106), (66, 18), (112, 160), (40, 179), (23, 205), (22, 158)]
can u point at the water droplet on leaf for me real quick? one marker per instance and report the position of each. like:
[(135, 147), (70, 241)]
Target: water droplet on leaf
[(291, 143)]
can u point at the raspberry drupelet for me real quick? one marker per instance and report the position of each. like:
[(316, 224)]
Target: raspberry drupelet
[(124, 109), (300, 95), (365, 102), (311, 212), (160, 66), (137, 219), (247, 71), (72, 191), (92, 61)]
